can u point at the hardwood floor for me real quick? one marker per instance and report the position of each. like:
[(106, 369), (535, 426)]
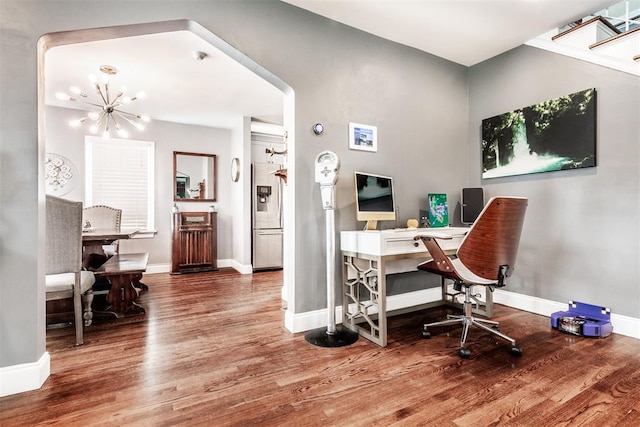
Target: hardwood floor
[(212, 350)]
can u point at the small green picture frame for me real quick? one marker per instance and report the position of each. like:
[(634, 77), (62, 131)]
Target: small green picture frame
[(438, 210)]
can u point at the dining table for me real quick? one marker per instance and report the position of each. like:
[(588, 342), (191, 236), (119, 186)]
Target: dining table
[(122, 281), (94, 239)]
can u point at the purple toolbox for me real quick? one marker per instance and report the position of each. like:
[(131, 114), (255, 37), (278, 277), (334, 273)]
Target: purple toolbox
[(583, 319)]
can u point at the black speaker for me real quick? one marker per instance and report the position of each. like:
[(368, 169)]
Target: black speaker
[(471, 204)]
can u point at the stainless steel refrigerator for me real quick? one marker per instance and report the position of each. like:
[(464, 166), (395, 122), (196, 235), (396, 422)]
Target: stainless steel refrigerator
[(266, 216)]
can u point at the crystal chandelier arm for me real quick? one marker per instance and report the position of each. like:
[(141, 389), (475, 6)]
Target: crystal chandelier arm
[(115, 102), (95, 116), (79, 121), (97, 86), (124, 113), (115, 124), (98, 122), (65, 97), (121, 132), (142, 117), (93, 104), (106, 90), (133, 123), (77, 91)]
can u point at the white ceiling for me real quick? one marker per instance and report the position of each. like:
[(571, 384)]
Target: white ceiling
[(212, 92), (217, 90), (463, 31)]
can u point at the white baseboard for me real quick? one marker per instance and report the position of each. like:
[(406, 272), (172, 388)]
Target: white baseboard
[(25, 377), (302, 322), (318, 318), (241, 268), (623, 325), (224, 263), (158, 268)]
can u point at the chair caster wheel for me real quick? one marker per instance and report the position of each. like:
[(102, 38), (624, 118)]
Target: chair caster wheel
[(495, 328), (464, 353), (426, 334), (516, 350)]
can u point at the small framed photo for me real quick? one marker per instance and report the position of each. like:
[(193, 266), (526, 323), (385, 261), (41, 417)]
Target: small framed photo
[(363, 137), (438, 210)]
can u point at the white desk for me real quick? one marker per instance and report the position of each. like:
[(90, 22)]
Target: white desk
[(366, 257)]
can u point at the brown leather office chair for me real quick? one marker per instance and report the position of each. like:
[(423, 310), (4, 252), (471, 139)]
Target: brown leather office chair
[(485, 257)]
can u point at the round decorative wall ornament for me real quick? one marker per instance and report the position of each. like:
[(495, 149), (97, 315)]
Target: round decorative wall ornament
[(235, 169), (60, 174)]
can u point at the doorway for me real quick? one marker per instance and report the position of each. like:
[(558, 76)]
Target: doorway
[(208, 42)]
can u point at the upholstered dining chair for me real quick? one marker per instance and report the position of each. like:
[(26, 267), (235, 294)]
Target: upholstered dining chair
[(486, 257), (101, 217), (64, 275)]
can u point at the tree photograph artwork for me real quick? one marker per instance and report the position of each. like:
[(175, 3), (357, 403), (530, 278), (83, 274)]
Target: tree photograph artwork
[(559, 134)]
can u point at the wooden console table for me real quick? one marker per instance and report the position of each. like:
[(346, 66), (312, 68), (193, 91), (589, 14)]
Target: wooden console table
[(194, 242)]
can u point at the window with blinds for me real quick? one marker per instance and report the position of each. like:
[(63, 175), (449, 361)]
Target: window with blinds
[(120, 173)]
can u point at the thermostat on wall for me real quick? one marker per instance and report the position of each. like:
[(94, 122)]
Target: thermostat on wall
[(318, 128)]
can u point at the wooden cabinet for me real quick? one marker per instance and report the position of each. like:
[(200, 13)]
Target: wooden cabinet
[(194, 246)]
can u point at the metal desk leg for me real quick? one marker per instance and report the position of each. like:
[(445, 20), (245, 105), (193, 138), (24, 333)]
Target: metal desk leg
[(364, 298)]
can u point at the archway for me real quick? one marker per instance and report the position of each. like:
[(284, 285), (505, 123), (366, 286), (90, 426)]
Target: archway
[(53, 40)]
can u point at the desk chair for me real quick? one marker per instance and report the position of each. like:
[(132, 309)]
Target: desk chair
[(485, 257), (64, 276)]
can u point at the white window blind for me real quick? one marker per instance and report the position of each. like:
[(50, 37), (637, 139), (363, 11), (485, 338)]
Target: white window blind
[(120, 173)]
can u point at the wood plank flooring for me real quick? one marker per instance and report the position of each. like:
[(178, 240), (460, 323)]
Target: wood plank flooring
[(212, 350)]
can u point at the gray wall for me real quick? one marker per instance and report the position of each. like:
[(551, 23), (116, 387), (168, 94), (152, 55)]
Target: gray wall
[(417, 101), (581, 238)]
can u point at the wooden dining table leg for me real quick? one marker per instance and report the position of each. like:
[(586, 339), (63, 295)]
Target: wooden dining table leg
[(122, 295)]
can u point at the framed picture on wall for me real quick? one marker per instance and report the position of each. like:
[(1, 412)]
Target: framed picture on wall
[(363, 137), (558, 134), (438, 210)]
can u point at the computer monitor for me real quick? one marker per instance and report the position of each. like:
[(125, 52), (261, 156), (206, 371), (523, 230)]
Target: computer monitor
[(374, 199)]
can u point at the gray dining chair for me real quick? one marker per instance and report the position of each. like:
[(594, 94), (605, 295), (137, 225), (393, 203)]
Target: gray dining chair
[(64, 276), (102, 217)]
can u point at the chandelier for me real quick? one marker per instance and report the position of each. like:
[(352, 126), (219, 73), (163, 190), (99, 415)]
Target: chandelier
[(107, 114)]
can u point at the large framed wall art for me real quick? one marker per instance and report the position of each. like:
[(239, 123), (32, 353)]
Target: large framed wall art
[(558, 134)]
